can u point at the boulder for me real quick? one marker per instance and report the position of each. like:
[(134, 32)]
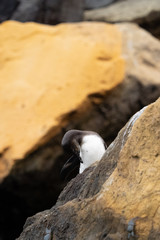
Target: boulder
[(145, 13), (91, 4), (27, 10), (118, 197), (71, 11), (90, 76), (7, 7)]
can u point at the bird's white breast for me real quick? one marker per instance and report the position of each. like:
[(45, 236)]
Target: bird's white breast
[(91, 150)]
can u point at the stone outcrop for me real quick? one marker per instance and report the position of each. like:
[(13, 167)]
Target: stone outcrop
[(87, 76), (145, 13), (47, 11), (28, 10), (117, 198), (71, 11), (7, 8), (91, 4)]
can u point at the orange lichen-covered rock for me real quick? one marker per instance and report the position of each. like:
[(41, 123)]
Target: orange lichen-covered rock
[(47, 72)]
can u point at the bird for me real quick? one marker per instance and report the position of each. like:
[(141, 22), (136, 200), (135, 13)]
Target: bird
[(84, 147)]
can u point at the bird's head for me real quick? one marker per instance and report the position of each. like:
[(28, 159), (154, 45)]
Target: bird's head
[(71, 143)]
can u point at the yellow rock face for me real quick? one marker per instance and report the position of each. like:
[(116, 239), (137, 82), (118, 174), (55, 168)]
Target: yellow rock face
[(46, 72)]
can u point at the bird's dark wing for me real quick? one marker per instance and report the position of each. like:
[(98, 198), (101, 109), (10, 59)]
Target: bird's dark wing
[(67, 169)]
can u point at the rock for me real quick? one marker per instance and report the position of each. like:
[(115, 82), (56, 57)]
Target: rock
[(121, 190), (7, 8), (27, 10), (38, 11), (109, 71), (71, 11), (145, 13), (49, 12), (90, 4)]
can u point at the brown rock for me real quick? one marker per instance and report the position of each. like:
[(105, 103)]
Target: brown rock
[(7, 7), (27, 10), (129, 193)]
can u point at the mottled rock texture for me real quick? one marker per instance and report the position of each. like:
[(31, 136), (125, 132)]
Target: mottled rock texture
[(145, 13), (27, 10), (7, 8), (89, 4), (47, 11), (89, 76), (122, 188), (71, 11)]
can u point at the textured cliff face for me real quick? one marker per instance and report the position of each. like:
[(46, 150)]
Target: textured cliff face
[(48, 74), (117, 198), (89, 76)]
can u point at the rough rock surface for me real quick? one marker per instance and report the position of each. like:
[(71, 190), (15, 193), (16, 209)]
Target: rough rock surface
[(117, 196), (109, 74), (47, 11), (90, 4), (7, 7), (71, 11), (27, 10), (145, 13)]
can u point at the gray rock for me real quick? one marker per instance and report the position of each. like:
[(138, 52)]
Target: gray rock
[(27, 10), (7, 7), (90, 4), (125, 11), (71, 11), (49, 12), (144, 12)]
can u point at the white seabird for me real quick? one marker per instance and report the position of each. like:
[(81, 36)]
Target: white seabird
[(86, 147)]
